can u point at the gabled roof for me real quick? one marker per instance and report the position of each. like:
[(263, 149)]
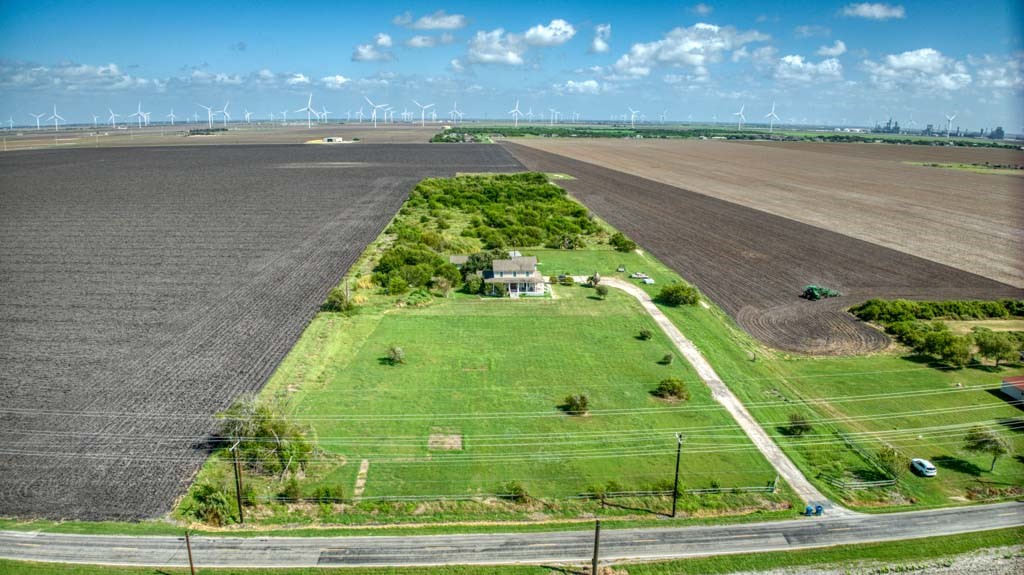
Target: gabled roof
[(527, 264), (458, 259), (1017, 382)]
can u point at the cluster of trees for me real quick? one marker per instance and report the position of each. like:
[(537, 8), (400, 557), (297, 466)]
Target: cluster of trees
[(510, 209), (678, 294), (268, 441), (912, 323), (413, 263), (621, 242)]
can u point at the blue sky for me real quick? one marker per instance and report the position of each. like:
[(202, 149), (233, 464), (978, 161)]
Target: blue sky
[(820, 61)]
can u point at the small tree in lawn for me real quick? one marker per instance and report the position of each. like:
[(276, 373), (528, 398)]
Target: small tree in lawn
[(577, 404), (678, 294), (981, 440), (996, 346), (672, 388), (798, 424), (602, 291), (895, 463), (396, 355)]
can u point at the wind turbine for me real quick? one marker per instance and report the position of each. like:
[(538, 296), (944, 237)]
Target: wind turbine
[(310, 112), (551, 118), (95, 121), (10, 123), (455, 113), (740, 118), (284, 117), (632, 116), (373, 112), (911, 123), (113, 118), (423, 112), (771, 118), (172, 116), (516, 113), (37, 116), (145, 117), (324, 112), (433, 115), (529, 114), (55, 117), (138, 114), (209, 115), (949, 123), (248, 115), (227, 116), (360, 114)]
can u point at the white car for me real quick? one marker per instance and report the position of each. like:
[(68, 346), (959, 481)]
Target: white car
[(923, 467)]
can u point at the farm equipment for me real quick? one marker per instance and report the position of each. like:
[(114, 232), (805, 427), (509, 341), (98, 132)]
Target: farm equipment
[(815, 292)]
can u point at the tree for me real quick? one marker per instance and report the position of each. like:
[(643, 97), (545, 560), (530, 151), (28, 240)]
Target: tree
[(892, 461), (602, 291), (337, 301), (672, 388), (995, 345), (443, 285), (997, 133), (396, 355), (209, 504), (473, 284), (798, 424), (981, 440), (646, 334), (576, 404), (621, 242), (678, 294), (397, 285)]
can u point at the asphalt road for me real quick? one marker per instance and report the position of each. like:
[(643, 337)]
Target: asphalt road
[(565, 547)]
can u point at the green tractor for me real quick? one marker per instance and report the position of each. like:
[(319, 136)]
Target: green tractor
[(814, 292)]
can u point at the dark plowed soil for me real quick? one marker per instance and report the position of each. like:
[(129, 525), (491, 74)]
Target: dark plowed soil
[(143, 289), (754, 264)]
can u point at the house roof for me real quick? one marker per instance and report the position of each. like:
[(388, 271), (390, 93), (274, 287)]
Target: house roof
[(527, 264), (458, 259), (1017, 382), (530, 279)]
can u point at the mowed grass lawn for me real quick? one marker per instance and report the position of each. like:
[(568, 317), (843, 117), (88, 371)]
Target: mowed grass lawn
[(489, 375), (880, 399)]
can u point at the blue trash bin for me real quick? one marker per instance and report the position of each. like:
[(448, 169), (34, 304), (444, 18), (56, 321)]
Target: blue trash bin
[(809, 511), (819, 510)]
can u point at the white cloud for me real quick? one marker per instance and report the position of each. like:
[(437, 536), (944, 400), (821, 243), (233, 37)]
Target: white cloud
[(370, 53), (811, 31), (556, 33), (702, 9), (874, 11), (496, 47), (696, 47), (1000, 74), (335, 82), (437, 21), (924, 69), (837, 49), (73, 77), (794, 68), (573, 87), (602, 32), (422, 41), (456, 66), (297, 80), (383, 40)]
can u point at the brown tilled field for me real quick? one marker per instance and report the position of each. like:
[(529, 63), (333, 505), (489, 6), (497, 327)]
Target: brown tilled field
[(973, 222), (754, 263)]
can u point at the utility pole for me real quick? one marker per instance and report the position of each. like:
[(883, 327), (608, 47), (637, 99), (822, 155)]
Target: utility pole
[(675, 486), (597, 546), (238, 483), (188, 545)]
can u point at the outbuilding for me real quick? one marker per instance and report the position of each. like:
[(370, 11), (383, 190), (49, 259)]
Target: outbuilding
[(1013, 387)]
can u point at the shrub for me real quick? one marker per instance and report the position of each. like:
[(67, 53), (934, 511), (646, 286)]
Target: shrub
[(672, 388), (646, 334), (678, 294), (267, 440), (667, 359), (798, 424), (576, 404), (336, 301), (892, 461), (514, 491), (328, 494), (474, 284), (419, 298), (602, 291), (291, 490), (982, 440), (396, 355), (209, 505), (566, 280), (621, 243), (397, 286)]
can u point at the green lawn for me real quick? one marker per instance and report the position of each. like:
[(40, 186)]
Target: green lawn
[(883, 398)]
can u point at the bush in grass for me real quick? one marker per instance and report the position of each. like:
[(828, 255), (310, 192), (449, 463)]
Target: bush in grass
[(678, 294), (566, 280), (602, 291), (672, 388), (667, 359), (621, 243), (646, 334), (473, 284), (577, 404), (516, 492), (396, 355), (209, 505), (798, 424), (892, 461), (328, 494), (336, 301), (442, 285), (397, 286), (268, 441), (419, 298), (290, 491)]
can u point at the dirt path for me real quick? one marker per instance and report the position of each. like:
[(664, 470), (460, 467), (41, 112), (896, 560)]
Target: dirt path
[(729, 401)]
